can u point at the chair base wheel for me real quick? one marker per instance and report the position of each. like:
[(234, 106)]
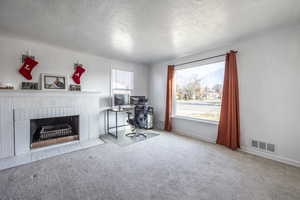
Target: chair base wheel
[(136, 134), (131, 134)]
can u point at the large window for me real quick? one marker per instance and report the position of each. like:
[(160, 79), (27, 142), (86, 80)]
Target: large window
[(199, 91), (122, 82)]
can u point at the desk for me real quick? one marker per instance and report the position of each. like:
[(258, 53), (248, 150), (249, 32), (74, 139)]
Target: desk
[(116, 111)]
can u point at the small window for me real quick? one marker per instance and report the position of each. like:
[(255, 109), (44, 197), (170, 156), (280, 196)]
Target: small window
[(122, 82), (199, 91)]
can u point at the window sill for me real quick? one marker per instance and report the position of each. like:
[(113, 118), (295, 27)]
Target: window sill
[(196, 120)]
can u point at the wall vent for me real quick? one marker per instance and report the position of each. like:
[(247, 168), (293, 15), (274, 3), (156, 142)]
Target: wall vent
[(271, 148), (254, 143), (263, 146)]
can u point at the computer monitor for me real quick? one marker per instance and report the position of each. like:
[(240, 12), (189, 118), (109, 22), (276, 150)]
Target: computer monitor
[(138, 100), (121, 99)]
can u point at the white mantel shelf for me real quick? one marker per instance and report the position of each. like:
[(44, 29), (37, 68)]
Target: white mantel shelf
[(13, 93)]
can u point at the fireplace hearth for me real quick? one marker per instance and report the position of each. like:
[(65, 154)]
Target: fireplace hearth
[(49, 131)]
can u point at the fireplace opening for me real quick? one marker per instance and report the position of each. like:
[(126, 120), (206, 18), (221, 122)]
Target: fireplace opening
[(49, 131)]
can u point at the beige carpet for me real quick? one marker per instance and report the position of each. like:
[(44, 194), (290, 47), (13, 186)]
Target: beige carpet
[(164, 167)]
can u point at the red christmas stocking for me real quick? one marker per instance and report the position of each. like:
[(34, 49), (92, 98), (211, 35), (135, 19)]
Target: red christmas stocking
[(27, 67), (79, 70)]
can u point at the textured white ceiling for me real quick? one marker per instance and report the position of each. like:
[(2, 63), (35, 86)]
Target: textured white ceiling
[(144, 31)]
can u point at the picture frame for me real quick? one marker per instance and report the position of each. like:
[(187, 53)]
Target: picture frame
[(53, 82), (30, 86), (76, 88)]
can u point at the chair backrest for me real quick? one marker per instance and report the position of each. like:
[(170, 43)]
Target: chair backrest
[(141, 112)]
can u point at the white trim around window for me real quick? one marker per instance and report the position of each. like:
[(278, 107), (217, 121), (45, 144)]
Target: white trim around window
[(211, 98), (196, 119)]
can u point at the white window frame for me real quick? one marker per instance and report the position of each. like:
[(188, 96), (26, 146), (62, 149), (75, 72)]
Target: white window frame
[(191, 65), (111, 81)]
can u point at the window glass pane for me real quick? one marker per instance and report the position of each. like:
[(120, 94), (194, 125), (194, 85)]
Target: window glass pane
[(122, 80), (199, 91)]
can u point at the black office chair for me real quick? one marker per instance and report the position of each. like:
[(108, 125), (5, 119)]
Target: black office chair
[(134, 120)]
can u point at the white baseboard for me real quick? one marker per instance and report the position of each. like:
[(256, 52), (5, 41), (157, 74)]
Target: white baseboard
[(270, 156), (47, 152)]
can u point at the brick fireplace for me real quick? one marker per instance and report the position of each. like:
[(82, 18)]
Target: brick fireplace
[(43, 126), (70, 120)]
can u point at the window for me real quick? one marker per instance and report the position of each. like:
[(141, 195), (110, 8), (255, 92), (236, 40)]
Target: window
[(122, 82), (199, 91)]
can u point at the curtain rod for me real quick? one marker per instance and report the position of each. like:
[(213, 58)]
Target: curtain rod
[(204, 59)]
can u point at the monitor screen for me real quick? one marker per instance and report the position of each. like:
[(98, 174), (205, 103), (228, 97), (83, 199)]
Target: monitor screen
[(138, 100), (121, 99)]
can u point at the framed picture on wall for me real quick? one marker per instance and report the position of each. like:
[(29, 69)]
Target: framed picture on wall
[(53, 82)]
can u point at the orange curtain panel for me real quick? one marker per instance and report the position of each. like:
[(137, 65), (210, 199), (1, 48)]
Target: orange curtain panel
[(229, 124), (169, 98)]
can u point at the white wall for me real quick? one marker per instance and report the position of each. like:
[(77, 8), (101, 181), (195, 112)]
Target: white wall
[(56, 60), (268, 69)]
